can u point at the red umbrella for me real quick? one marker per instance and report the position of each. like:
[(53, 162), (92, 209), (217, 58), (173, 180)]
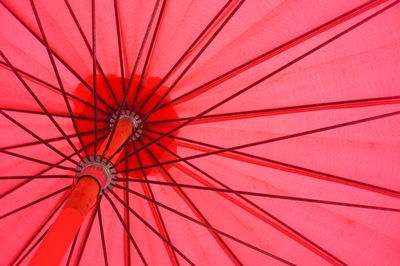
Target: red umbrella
[(199, 132)]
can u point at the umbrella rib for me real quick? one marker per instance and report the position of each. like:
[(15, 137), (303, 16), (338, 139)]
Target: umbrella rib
[(114, 127), (147, 115), (233, 150), (95, 95), (37, 160), (35, 176), (103, 239), (259, 81), (140, 53), (276, 223), (44, 109), (10, 190), (127, 250), (151, 227), (122, 79), (72, 249), (126, 90), (150, 50), (125, 228), (262, 142), (123, 104), (48, 85), (40, 173), (61, 85), (120, 53), (258, 194), (33, 246), (27, 144), (79, 27), (86, 236), (191, 48), (206, 226), (250, 193), (235, 260), (356, 103), (34, 202), (157, 214), (152, 43), (37, 231), (52, 114), (277, 50), (53, 52)]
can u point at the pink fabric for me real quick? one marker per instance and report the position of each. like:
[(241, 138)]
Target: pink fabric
[(363, 65)]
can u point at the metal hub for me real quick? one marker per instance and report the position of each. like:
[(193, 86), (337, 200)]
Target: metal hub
[(99, 168), (133, 117)]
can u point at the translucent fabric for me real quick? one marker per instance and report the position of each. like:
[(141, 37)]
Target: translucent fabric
[(269, 133)]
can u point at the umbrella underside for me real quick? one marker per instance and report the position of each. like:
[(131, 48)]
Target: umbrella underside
[(199, 132)]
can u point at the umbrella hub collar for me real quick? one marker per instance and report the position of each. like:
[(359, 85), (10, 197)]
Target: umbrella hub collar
[(128, 115), (100, 169)]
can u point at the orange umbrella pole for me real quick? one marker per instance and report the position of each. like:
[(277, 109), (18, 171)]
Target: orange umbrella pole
[(92, 179)]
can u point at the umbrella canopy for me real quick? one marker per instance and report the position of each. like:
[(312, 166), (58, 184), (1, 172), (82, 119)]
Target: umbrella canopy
[(260, 132)]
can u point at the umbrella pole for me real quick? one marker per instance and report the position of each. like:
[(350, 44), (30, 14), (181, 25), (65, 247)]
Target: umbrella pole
[(55, 244)]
